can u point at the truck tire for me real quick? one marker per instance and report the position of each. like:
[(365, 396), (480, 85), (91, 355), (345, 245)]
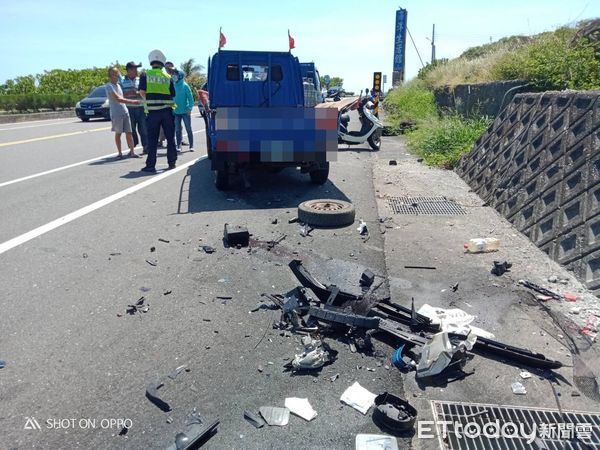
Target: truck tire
[(375, 140), (319, 176), (222, 179), (326, 213)]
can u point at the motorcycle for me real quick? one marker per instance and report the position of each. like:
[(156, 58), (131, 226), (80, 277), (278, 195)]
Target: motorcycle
[(371, 126)]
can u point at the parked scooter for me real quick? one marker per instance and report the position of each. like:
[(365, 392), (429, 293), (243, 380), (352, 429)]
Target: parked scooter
[(371, 126)]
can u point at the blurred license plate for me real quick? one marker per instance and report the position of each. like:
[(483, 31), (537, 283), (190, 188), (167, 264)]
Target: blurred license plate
[(89, 112)]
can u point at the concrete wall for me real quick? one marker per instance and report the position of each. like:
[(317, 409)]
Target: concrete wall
[(479, 99), (539, 165)]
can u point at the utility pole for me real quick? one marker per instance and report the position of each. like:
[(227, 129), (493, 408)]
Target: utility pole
[(433, 44)]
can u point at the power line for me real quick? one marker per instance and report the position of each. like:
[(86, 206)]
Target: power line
[(414, 45)]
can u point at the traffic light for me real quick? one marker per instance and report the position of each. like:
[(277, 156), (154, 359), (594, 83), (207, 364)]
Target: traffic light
[(377, 82)]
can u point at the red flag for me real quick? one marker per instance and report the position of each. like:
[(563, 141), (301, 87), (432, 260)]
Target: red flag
[(222, 39), (291, 41)]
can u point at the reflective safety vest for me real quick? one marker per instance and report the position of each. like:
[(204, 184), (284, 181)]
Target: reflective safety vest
[(158, 93)]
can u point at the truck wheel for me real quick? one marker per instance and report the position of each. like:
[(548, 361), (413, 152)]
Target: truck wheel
[(319, 176), (222, 179), (326, 213), (375, 140)]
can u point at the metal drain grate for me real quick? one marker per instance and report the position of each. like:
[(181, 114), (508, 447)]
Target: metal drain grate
[(425, 206), (551, 429)]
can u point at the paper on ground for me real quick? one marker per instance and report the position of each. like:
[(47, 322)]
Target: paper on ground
[(301, 407), (358, 397), (453, 320)]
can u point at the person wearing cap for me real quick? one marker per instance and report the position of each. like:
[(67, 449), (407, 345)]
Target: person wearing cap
[(156, 87), (119, 115), (184, 103), (137, 116)]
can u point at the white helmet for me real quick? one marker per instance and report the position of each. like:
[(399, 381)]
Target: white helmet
[(157, 55)]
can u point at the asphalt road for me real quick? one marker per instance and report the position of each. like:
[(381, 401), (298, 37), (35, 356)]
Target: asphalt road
[(78, 229)]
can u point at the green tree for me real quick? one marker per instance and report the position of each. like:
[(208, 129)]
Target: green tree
[(190, 68), (333, 81)]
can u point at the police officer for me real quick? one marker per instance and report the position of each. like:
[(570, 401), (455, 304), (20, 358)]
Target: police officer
[(157, 88)]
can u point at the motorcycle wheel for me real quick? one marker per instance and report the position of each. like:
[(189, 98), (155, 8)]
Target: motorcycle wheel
[(375, 140)]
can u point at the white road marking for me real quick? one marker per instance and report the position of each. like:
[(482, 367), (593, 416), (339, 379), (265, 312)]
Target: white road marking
[(69, 166), (12, 243), (37, 121), (37, 126)]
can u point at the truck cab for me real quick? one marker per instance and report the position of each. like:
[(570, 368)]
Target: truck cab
[(258, 117)]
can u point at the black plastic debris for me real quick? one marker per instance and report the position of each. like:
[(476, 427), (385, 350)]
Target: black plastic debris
[(196, 432), (540, 289), (500, 268), (163, 240), (152, 249), (274, 222), (393, 162), (139, 306), (272, 244), (167, 292), (153, 395), (454, 287), (2, 364), (293, 220), (394, 414), (152, 262), (421, 267), (208, 249), (254, 419), (235, 235), (123, 431), (367, 278)]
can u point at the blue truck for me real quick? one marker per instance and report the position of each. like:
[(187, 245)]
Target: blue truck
[(257, 117)]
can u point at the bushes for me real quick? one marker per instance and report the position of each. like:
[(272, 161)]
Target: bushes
[(36, 102), (411, 102), (442, 141)]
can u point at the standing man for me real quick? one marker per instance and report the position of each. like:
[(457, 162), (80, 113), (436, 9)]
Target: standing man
[(157, 88), (184, 103), (119, 115), (137, 116)]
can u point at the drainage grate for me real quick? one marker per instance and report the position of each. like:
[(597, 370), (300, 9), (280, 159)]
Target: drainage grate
[(552, 430), (424, 206)]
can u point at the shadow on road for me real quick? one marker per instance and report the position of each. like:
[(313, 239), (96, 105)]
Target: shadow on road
[(285, 189)]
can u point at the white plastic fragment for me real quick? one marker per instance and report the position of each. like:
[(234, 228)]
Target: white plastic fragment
[(301, 407), (358, 397), (375, 442), (518, 388), (525, 375), (453, 320)]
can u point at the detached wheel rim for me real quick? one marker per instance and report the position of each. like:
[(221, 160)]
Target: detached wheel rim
[(326, 205)]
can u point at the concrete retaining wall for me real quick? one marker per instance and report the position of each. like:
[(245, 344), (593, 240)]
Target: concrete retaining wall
[(539, 165), (26, 117), (484, 99)]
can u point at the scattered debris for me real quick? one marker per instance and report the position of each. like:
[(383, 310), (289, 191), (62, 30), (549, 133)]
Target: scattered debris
[(196, 430), (2, 364), (313, 357), (358, 398), (274, 221), (553, 279), (293, 220), (300, 407), (272, 244), (439, 353), (500, 268), (139, 306), (518, 388), (540, 289), (114, 254), (334, 377), (153, 262), (421, 267), (152, 249), (177, 371), (482, 245), (362, 228), (123, 431), (525, 375), (254, 419), (570, 297), (393, 162), (85, 255), (235, 235), (153, 395), (575, 310), (275, 416), (454, 287), (367, 278), (305, 230), (163, 240), (402, 361), (375, 442), (224, 297), (393, 413), (208, 249), (169, 420), (453, 320), (167, 292)]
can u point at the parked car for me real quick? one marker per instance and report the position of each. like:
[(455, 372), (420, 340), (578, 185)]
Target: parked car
[(94, 105)]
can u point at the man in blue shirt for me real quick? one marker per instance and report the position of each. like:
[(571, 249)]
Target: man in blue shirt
[(137, 116), (184, 102)]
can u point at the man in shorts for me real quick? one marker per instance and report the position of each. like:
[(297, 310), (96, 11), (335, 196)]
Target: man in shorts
[(118, 112)]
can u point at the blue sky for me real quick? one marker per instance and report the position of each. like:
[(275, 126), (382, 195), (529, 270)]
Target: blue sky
[(347, 38)]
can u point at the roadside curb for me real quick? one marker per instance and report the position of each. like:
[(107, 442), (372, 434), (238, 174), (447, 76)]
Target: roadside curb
[(15, 118)]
